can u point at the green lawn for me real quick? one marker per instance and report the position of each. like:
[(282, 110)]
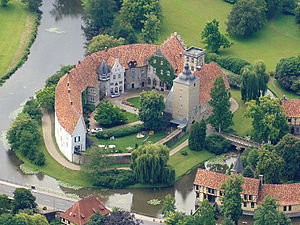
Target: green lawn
[(135, 101), (131, 117), (241, 125), (129, 141), (188, 18), (274, 91), (14, 33), (185, 163), (285, 92)]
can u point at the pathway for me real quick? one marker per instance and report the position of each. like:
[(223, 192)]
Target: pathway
[(272, 79), (47, 133), (179, 147)]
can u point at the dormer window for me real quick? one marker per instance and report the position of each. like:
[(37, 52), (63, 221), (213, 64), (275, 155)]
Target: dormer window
[(154, 60), (168, 73), (161, 62), (154, 70), (187, 59), (161, 72)]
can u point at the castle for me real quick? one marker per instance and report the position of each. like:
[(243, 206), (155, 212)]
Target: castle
[(170, 67)]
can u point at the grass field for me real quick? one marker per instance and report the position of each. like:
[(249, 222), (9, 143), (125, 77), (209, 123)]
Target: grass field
[(285, 92), (188, 18), (16, 24), (135, 101), (131, 117), (241, 125), (185, 163)]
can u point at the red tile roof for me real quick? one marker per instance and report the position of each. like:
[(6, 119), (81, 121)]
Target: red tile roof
[(215, 180), (81, 211), (208, 75), (286, 194), (291, 107)]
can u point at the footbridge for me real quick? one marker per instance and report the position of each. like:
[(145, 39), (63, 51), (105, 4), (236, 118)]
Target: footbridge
[(239, 142)]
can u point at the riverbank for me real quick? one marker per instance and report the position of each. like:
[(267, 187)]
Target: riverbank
[(18, 30)]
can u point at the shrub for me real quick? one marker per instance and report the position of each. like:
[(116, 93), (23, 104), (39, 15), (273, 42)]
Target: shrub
[(217, 144), (288, 6), (184, 152), (248, 172), (297, 14), (231, 1), (115, 179), (39, 159), (120, 132), (234, 80)]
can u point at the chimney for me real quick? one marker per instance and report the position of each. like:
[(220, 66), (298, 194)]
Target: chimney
[(232, 172), (105, 49), (261, 181)]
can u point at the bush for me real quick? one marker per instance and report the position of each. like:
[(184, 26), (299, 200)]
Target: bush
[(184, 152), (288, 6), (248, 172), (115, 179), (297, 14), (231, 1), (217, 144), (230, 63), (120, 132), (234, 80), (39, 159)]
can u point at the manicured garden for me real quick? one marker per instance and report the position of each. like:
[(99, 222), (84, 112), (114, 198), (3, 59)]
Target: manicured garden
[(130, 117), (135, 101), (277, 40), (16, 26)]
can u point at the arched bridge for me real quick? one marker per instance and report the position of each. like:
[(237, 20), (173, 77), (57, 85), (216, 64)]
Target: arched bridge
[(239, 142)]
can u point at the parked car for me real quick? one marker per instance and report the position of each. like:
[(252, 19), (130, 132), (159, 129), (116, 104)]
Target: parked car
[(95, 130), (114, 95)]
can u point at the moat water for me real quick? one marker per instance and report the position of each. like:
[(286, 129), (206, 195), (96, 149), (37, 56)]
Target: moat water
[(60, 41)]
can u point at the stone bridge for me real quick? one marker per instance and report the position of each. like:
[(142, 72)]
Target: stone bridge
[(239, 142)]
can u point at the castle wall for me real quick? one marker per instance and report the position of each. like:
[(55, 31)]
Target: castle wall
[(136, 77)]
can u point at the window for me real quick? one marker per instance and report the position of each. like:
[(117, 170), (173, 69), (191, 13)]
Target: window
[(119, 75), (284, 208), (154, 70), (154, 60), (120, 88), (245, 204), (221, 193), (120, 82), (245, 197), (289, 120), (252, 204), (154, 82), (114, 77), (180, 97), (161, 62), (181, 106), (250, 197), (187, 59), (290, 208), (197, 195), (149, 81), (192, 68), (197, 187), (149, 68), (111, 84), (208, 189), (77, 139), (168, 73), (161, 72)]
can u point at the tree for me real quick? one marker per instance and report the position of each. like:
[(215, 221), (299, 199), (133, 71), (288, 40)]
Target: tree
[(5, 204), (135, 11), (288, 148), (288, 73), (288, 6), (205, 214), (297, 14), (115, 217), (197, 136), (96, 219), (250, 85), (150, 31), (33, 5), (262, 77), (8, 219), (23, 199), (102, 41), (35, 219), (168, 206), (179, 218), (4, 3), (149, 164), (252, 157), (227, 221), (213, 38), (270, 165), (221, 119), (248, 172), (273, 8), (96, 162), (267, 214), (217, 144), (246, 17), (109, 115), (151, 109), (127, 32), (268, 119), (46, 97), (53, 80), (232, 200), (31, 107)]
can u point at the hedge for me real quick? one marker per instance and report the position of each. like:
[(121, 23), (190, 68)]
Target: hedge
[(230, 63), (115, 179), (120, 132), (27, 51)]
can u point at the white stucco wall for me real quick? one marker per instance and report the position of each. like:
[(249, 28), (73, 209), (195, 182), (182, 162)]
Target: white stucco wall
[(79, 131), (117, 78), (63, 139)]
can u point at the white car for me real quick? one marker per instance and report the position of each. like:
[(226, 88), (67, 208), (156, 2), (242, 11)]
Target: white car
[(95, 130), (115, 95)]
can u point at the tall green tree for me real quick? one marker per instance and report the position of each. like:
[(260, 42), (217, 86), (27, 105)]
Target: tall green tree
[(53, 80), (46, 97), (273, 8), (168, 206), (5, 204), (250, 85), (150, 31), (96, 219), (221, 118), (297, 14), (205, 214), (151, 109), (288, 148), (197, 136), (270, 165), (213, 38), (150, 164), (267, 214), (246, 17), (35, 219), (23, 199), (268, 119), (31, 107), (248, 172), (180, 218), (102, 41), (9, 219), (4, 3), (33, 5), (262, 77), (232, 200)]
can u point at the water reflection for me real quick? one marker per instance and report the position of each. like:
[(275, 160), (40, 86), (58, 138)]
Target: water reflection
[(65, 8)]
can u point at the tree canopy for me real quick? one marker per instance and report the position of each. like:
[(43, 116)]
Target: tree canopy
[(197, 136), (102, 41), (151, 109), (206, 214), (246, 17), (23, 199), (168, 206), (217, 144), (221, 118), (150, 165), (33, 5), (268, 119), (232, 200), (150, 31), (213, 38)]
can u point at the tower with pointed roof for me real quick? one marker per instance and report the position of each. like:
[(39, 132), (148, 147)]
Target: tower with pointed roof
[(185, 101)]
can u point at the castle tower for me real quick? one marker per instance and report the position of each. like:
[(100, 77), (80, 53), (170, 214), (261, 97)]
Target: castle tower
[(185, 98), (194, 57)]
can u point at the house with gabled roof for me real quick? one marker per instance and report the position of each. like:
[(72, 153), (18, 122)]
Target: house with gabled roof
[(81, 212), (291, 108)]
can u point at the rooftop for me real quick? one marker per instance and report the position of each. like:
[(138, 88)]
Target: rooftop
[(194, 52), (291, 107)]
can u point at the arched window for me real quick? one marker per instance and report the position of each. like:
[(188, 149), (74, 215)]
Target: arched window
[(154, 82), (149, 81)]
